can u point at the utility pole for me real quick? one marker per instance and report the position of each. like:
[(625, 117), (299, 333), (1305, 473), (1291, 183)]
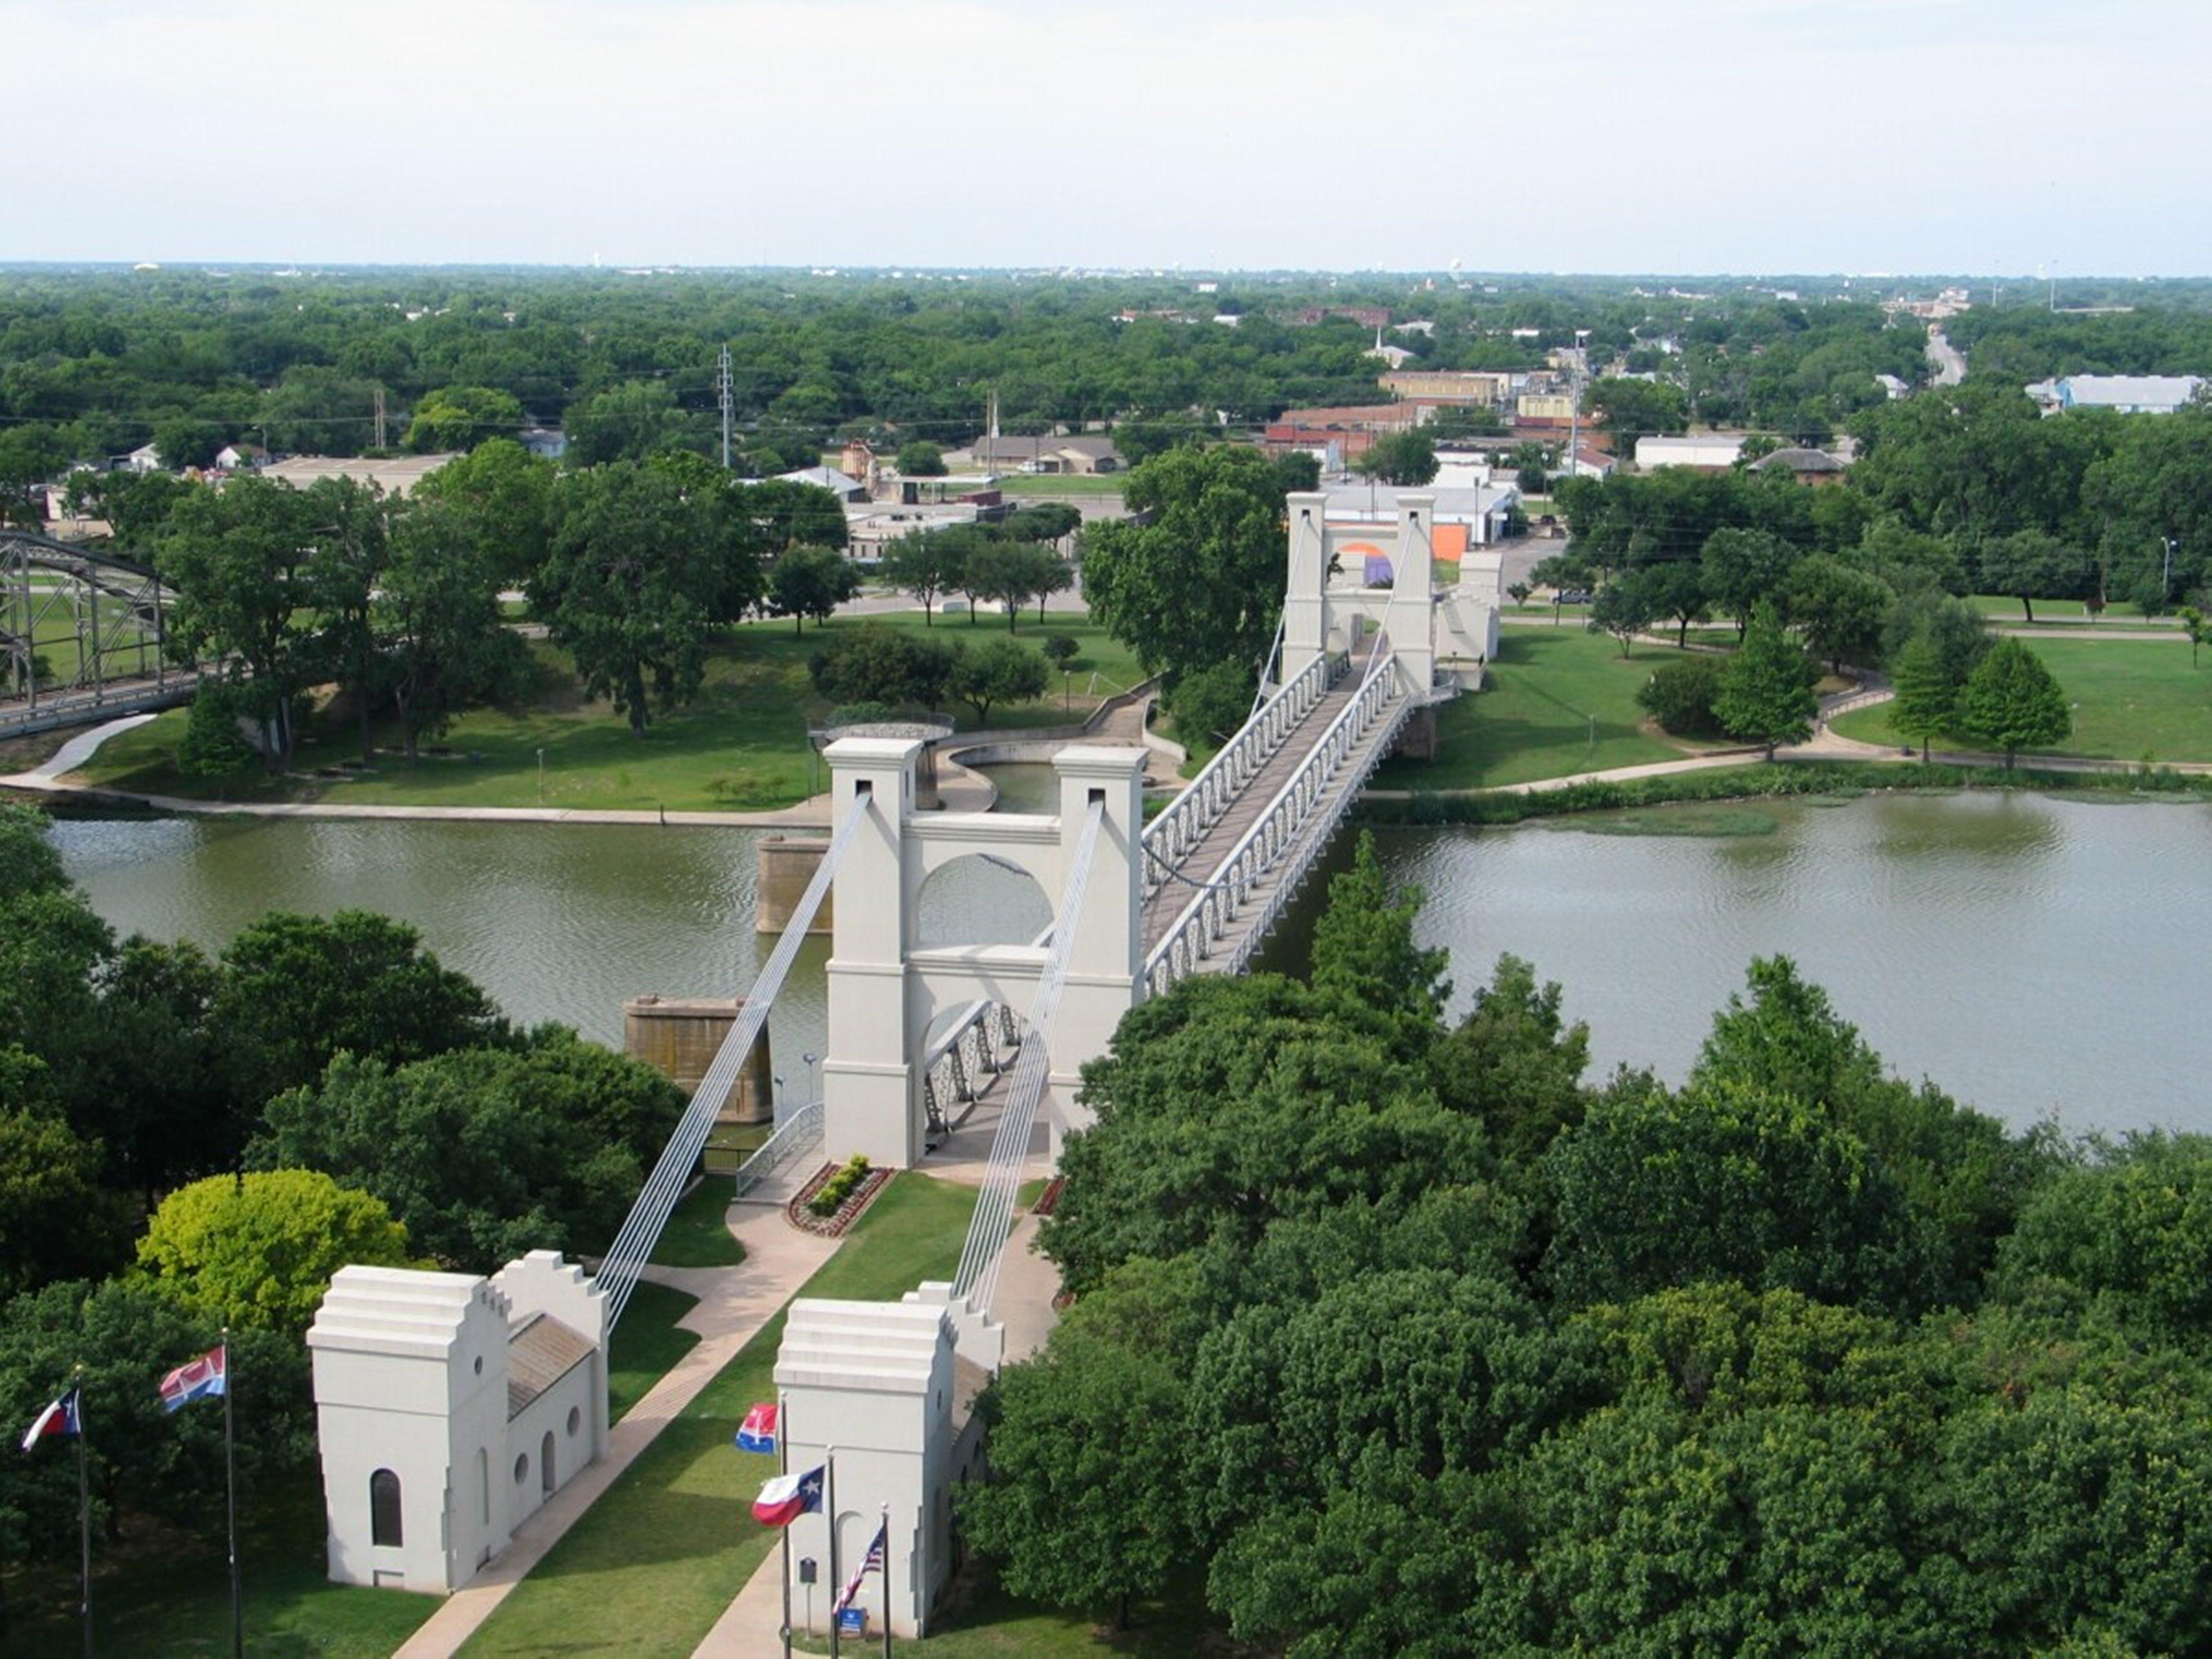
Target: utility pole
[(722, 387), (378, 390)]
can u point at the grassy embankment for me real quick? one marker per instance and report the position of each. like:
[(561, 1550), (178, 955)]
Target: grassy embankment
[(1559, 701), (660, 1556), (741, 746), (1045, 486), (168, 1593), (2134, 699)]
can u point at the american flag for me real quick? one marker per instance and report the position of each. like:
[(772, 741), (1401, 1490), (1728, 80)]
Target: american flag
[(872, 1562)]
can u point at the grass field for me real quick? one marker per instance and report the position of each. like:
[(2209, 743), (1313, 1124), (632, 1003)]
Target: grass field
[(1036, 486), (698, 1233), (658, 1558), (2133, 699), (2003, 608), (742, 747), (647, 1343), (1559, 701), (993, 1625)]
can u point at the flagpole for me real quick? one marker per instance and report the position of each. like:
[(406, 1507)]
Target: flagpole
[(829, 1507), (83, 1517), (783, 1466), (886, 1536), (230, 1506)]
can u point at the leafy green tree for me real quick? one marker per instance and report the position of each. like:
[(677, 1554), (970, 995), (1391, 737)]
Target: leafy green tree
[(56, 1219), (1365, 950), (1680, 695), (921, 458), (1926, 704), (2029, 565), (1728, 1180), (810, 581), (998, 671), (1675, 589), (2129, 1226), (1630, 409), (1042, 521), (298, 989), (1515, 1063), (874, 664), (497, 501), (1838, 607), (2014, 702), (213, 746), (1089, 1459), (1201, 580), (1742, 568), (1211, 705), (628, 587), (163, 1102), (1765, 692), (436, 620), (352, 549), (1400, 457), (1011, 573), (628, 422), (483, 1153), (238, 558), (456, 417), (1624, 609), (926, 565), (2194, 625), (260, 1250), (184, 442)]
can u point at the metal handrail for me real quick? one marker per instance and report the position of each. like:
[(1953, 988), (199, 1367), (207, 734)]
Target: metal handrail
[(799, 1130)]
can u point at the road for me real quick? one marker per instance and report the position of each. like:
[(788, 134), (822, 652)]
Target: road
[(1950, 365)]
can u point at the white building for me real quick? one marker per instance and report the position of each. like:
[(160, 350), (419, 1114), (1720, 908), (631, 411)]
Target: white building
[(448, 1409), (2130, 394), (1706, 449)]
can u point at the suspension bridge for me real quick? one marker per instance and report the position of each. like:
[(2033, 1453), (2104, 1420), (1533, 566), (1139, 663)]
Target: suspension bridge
[(82, 636), (922, 1039)]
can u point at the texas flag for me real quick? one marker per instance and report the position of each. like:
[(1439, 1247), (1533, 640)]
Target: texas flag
[(205, 1378), (787, 1496), (757, 1432), (65, 1417)]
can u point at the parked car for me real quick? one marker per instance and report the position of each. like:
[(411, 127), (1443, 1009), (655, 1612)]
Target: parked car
[(1574, 596)]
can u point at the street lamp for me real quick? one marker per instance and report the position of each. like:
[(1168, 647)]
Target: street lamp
[(541, 776), (813, 1094)]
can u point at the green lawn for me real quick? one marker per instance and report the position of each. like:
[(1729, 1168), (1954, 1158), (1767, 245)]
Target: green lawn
[(1559, 701), (994, 1624), (647, 1343), (177, 1602), (2134, 699), (742, 747), (698, 1233), (2070, 613), (658, 1558), (1031, 486)]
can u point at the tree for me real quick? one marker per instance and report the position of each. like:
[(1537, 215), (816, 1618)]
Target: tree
[(163, 1104), (56, 1219), (810, 581), (184, 443), (1211, 705), (1363, 949), (2129, 1226), (1623, 608), (2029, 565), (1741, 567), (213, 746), (485, 1154), (881, 664), (1514, 1062), (1926, 704), (352, 531), (924, 564), (999, 672), (920, 458), (298, 989), (1012, 573), (2013, 702), (2194, 625), (1680, 695), (1201, 580), (436, 619), (1675, 589), (237, 558), (1630, 409), (498, 502), (1838, 609), (1765, 692), (1089, 1456), (627, 587), (260, 1250), (628, 422), (456, 417), (1400, 457)]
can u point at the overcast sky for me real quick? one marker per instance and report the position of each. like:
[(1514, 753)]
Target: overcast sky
[(1980, 135)]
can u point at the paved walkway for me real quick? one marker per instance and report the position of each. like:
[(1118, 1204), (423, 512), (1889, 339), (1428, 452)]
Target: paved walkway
[(734, 1304)]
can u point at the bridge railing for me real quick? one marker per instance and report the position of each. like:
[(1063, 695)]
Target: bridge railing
[(966, 1059), (1185, 821), (1190, 939), (798, 1135)]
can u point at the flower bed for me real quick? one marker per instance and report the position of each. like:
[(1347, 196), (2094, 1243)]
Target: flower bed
[(844, 1191)]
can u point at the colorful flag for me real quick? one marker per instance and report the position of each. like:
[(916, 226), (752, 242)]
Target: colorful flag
[(787, 1496), (207, 1377), (65, 1417), (757, 1432), (872, 1562)]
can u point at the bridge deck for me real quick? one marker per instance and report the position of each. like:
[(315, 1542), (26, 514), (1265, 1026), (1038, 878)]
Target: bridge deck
[(1200, 864)]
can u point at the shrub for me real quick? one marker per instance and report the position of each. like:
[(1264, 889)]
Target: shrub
[(1062, 650), (1680, 695), (839, 1188)]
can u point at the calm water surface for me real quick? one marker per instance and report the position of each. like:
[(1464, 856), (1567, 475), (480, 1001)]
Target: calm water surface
[(2033, 956)]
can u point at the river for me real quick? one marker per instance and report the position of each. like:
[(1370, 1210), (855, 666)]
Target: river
[(2035, 956)]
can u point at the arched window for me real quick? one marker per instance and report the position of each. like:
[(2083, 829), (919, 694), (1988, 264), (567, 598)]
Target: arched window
[(545, 1462), (385, 1530)]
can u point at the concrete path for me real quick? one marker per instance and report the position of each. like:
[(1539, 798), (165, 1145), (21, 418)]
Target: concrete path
[(734, 1304)]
